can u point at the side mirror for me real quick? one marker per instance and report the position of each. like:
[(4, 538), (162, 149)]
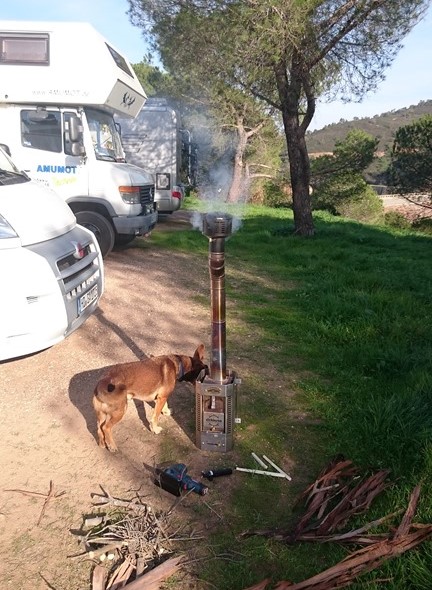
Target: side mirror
[(77, 149), (74, 143), (75, 128), (6, 149)]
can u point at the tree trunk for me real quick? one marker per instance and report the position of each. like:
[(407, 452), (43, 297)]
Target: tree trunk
[(300, 178), (238, 183), (289, 94)]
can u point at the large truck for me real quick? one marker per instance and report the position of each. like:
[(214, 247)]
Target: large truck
[(51, 268), (61, 83), (155, 140)]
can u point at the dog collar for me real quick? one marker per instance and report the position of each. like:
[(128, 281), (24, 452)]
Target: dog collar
[(181, 370)]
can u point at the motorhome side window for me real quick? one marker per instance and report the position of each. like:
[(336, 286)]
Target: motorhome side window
[(25, 49), (120, 60), (41, 130)]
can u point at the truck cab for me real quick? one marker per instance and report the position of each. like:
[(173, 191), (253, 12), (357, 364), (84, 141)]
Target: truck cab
[(60, 86)]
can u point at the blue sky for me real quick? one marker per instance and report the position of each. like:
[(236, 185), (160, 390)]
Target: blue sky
[(408, 80), (107, 16)]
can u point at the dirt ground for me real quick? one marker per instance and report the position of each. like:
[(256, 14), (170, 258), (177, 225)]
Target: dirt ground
[(47, 427)]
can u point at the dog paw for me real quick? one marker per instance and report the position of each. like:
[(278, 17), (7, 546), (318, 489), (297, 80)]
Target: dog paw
[(156, 429), (112, 448), (166, 411)]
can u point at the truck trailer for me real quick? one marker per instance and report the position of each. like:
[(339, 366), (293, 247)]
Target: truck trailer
[(155, 140), (61, 83)]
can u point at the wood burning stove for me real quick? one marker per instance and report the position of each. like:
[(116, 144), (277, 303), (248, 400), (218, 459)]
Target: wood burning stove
[(216, 395)]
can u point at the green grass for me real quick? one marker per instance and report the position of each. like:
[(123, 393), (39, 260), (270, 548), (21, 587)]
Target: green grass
[(336, 327)]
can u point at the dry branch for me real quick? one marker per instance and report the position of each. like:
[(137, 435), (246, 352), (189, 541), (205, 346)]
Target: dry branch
[(134, 537), (121, 575), (154, 578), (111, 548), (99, 577), (405, 524), (341, 575), (50, 496), (106, 499), (338, 493)]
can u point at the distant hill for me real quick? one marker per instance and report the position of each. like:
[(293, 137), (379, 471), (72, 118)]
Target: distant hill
[(382, 127)]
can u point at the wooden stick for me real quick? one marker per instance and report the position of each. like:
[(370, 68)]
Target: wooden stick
[(106, 549), (99, 577), (152, 579), (45, 504), (405, 524), (261, 472), (50, 496), (121, 575), (108, 500)]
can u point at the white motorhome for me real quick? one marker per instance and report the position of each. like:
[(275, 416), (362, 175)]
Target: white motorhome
[(155, 141), (51, 268), (60, 85)]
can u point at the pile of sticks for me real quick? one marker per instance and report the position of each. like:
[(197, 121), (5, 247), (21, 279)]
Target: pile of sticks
[(338, 494), (330, 502), (127, 544)]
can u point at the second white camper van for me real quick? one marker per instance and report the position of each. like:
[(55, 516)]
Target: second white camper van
[(153, 140)]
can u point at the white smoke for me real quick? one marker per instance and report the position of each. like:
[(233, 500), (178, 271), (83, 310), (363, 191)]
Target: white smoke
[(214, 185)]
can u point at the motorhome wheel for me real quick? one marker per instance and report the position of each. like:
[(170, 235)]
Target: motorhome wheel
[(124, 239), (100, 226)]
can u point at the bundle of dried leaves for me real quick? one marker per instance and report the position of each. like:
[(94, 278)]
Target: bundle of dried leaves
[(336, 495)]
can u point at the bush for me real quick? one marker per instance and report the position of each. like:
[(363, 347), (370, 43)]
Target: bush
[(276, 194), (348, 195), (396, 219), (423, 225), (366, 207)]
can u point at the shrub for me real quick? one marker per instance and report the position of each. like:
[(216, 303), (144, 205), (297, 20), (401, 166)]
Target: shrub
[(423, 225), (276, 194), (348, 195), (396, 219), (366, 207)]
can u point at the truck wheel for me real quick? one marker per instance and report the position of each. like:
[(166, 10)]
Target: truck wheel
[(124, 239), (100, 226)]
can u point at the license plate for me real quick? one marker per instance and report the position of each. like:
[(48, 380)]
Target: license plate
[(88, 298)]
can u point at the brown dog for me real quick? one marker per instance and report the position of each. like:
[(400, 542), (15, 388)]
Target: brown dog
[(150, 380)]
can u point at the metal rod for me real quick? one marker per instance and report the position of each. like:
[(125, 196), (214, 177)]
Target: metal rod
[(258, 460), (277, 468), (258, 471)]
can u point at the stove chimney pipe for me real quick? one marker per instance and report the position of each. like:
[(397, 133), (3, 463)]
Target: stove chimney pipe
[(216, 395), (217, 226)]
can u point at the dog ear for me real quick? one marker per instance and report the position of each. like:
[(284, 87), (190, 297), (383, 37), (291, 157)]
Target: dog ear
[(199, 353)]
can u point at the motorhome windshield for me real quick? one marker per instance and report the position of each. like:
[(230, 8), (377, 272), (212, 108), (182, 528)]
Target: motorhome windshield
[(9, 173), (106, 139)]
